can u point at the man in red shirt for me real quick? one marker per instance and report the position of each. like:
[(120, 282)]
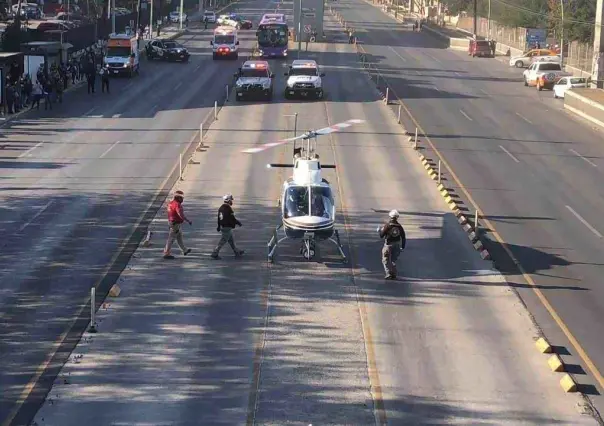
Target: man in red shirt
[(176, 217)]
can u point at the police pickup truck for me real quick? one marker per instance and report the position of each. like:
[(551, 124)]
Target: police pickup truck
[(254, 80), (304, 79)]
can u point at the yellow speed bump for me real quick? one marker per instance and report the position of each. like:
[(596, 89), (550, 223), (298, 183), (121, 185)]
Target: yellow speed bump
[(449, 200), (543, 346), (462, 219), (115, 291), (427, 166), (555, 363), (568, 384)]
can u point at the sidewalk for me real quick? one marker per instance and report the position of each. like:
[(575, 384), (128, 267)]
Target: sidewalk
[(170, 32)]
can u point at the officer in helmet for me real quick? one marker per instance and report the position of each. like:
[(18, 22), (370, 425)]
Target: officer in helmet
[(394, 242), (226, 223)]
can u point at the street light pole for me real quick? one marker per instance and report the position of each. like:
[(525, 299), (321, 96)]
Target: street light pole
[(151, 21), (300, 29)]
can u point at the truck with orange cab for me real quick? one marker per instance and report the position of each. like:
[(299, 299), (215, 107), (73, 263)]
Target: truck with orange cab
[(122, 57)]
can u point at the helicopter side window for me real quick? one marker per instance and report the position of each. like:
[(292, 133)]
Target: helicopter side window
[(322, 202), (296, 202)]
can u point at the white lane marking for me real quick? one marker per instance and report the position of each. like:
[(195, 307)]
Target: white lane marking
[(90, 111), (457, 73), (397, 54), (465, 115), (584, 222), (583, 158), (29, 222), (524, 118), (197, 67), (116, 115), (484, 91), (436, 88), (432, 57), (177, 86), (510, 154), (38, 145), (109, 149)]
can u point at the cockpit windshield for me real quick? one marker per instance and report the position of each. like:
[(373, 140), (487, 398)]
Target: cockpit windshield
[(298, 203)]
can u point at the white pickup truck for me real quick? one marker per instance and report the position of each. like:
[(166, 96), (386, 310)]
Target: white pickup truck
[(544, 75)]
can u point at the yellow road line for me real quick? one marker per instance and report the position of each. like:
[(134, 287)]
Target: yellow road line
[(372, 368), (588, 362)]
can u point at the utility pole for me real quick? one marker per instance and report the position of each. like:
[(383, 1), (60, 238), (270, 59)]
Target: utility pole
[(475, 18), (299, 28), (598, 60), (138, 17), (562, 34), (489, 21), (112, 16), (181, 12)]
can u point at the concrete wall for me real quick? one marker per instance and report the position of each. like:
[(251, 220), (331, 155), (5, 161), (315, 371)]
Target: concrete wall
[(589, 109), (312, 14)]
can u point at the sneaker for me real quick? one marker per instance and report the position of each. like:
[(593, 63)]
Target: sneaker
[(215, 256), (187, 252), (240, 253), (389, 277), (168, 257)]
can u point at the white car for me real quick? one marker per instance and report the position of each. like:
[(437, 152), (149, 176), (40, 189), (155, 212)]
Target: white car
[(175, 17), (223, 19), (566, 83), (210, 16)]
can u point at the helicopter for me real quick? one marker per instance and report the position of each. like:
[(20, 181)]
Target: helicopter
[(308, 210)]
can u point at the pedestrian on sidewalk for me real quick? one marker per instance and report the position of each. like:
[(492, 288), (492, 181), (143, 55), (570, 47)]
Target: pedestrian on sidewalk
[(226, 223), (48, 94), (104, 73), (176, 217), (90, 78), (36, 92)]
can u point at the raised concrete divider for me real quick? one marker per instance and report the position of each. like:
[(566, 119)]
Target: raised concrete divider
[(587, 104)]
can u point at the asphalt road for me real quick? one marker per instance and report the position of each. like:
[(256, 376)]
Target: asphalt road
[(534, 171), (236, 341), (74, 182)]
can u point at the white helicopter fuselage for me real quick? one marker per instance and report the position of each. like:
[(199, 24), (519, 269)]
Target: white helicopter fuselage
[(307, 203)]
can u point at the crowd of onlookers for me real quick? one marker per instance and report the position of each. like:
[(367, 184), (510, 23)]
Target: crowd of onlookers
[(24, 91)]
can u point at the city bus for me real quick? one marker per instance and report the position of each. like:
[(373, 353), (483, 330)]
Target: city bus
[(272, 36)]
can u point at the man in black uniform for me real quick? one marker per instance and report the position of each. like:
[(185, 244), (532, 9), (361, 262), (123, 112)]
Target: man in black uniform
[(104, 73), (226, 223), (394, 242)]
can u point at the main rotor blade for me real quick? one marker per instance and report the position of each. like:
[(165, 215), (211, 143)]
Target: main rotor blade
[(324, 131), (337, 127), (271, 145)]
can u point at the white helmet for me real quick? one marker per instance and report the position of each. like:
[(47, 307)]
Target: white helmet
[(227, 197), (393, 214)]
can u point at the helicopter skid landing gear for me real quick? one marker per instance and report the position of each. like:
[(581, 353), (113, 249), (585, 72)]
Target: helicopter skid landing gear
[(338, 244)]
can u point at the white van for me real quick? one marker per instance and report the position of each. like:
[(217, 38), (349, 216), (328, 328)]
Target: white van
[(225, 43)]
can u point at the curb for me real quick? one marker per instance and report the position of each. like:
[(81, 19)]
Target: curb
[(470, 229)]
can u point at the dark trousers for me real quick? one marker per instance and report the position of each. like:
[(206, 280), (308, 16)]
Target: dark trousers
[(36, 101), (105, 83), (90, 84)]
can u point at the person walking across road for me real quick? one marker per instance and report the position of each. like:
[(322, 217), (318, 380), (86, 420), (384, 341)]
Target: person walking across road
[(176, 217), (104, 73), (226, 223), (394, 242)]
